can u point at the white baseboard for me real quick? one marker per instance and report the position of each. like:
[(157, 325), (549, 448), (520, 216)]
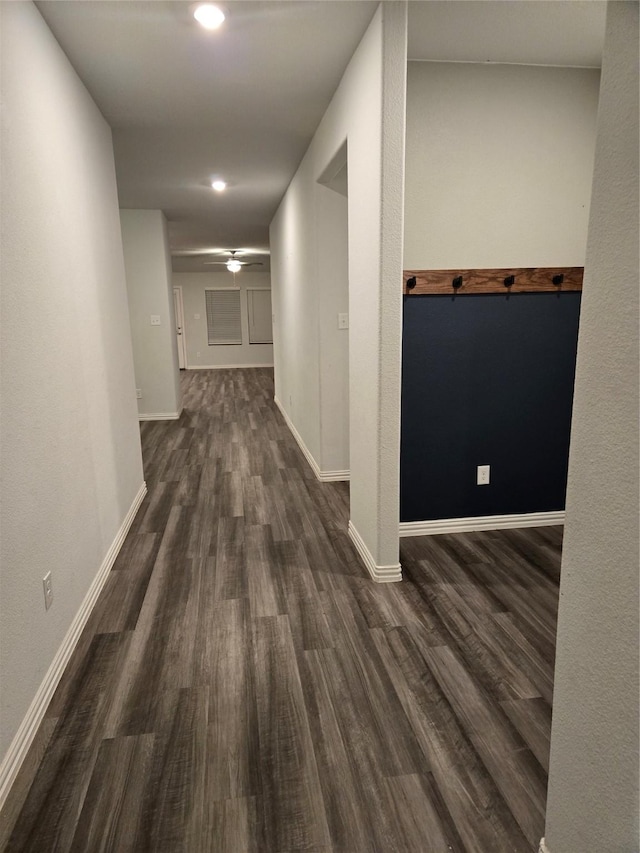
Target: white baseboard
[(323, 476), (481, 522), (543, 847), (23, 739), (161, 416), (223, 366), (380, 574), (333, 476)]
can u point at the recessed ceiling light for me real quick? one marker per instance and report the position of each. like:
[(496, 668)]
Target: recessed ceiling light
[(219, 186), (208, 16)]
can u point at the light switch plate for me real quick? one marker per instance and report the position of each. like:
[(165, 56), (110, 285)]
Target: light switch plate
[(196, 316), (155, 319)]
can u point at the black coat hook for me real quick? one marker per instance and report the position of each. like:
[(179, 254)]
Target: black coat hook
[(457, 282), (509, 280), (558, 279), (411, 282)]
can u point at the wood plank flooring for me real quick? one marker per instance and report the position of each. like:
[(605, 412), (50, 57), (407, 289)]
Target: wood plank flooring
[(243, 686)]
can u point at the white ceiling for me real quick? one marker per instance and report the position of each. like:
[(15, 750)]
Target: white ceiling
[(243, 102), (186, 104)]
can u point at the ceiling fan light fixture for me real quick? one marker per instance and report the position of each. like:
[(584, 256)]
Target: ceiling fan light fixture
[(208, 16), (219, 186), (233, 265)]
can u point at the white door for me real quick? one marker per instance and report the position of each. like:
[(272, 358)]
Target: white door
[(179, 313)]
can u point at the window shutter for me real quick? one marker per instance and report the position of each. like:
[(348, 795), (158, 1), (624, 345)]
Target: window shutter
[(223, 316)]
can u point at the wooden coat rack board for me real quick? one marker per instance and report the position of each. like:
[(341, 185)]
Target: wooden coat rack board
[(509, 280)]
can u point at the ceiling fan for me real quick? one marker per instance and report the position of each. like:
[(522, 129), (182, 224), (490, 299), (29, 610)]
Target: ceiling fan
[(234, 264)]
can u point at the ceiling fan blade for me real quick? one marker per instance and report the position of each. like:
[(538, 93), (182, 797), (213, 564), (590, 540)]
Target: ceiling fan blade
[(252, 264)]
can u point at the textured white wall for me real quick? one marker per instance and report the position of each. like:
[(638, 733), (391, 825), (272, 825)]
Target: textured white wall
[(70, 463), (593, 783), (499, 164), (199, 353), (295, 298), (148, 271), (368, 111), (332, 231)]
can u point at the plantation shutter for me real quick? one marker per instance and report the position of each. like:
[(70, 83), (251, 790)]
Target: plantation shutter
[(223, 316)]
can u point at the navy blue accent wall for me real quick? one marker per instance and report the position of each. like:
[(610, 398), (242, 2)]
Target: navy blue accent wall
[(486, 380)]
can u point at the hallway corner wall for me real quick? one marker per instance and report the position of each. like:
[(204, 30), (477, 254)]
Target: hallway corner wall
[(367, 111), (295, 300), (149, 290), (592, 801), (71, 467), (333, 276)]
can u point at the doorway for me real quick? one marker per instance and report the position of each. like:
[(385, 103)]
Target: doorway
[(180, 336), (332, 235)]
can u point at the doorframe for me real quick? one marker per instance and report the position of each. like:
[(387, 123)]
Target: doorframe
[(181, 339)]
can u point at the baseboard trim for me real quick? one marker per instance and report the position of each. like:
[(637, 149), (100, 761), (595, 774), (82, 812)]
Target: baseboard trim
[(333, 476), (26, 733), (380, 574), (294, 432), (161, 416), (543, 847), (223, 366), (481, 522), (323, 476)]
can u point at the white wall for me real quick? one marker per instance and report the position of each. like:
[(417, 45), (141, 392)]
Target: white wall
[(499, 161), (593, 782), (367, 110), (332, 232), (155, 350), (70, 464), (294, 299), (199, 353)]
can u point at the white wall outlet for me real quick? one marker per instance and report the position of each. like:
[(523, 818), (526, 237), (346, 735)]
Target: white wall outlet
[(48, 590), (197, 355), (155, 319), (343, 321), (139, 393), (483, 475), (196, 316)]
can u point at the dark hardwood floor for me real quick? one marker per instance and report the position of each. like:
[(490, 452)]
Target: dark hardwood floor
[(243, 686)]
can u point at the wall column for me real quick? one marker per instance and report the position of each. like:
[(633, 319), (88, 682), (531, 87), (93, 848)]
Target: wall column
[(375, 309), (149, 288)]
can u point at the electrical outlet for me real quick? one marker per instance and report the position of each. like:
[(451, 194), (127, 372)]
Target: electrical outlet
[(48, 590), (343, 321), (197, 355), (139, 393), (483, 475)]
